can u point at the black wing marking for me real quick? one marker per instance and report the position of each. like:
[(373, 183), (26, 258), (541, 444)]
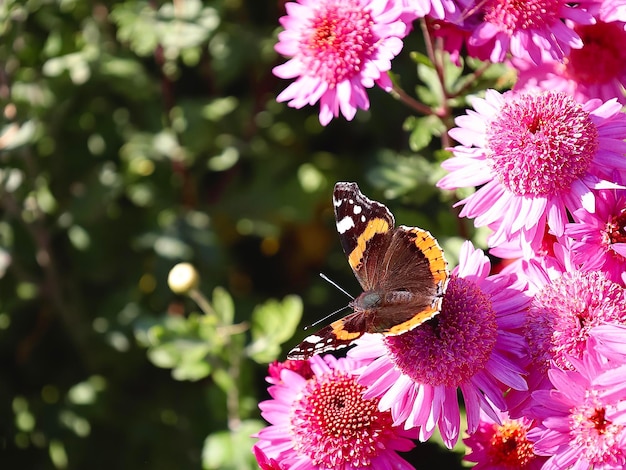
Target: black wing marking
[(365, 228)]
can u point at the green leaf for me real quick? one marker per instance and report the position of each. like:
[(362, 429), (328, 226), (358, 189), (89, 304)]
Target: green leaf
[(184, 345), (218, 108), (217, 451), (430, 94), (421, 132), (273, 323), (223, 305), (224, 380), (176, 29), (398, 175), (451, 72), (420, 58), (232, 451), (191, 371)]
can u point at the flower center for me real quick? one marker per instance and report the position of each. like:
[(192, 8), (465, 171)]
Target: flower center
[(340, 41), (509, 446), (597, 437), (564, 311), (540, 144), (616, 229), (335, 426), (456, 344), (512, 15), (602, 48)]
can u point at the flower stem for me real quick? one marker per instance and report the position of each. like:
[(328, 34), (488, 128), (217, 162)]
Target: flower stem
[(411, 102), (203, 303)]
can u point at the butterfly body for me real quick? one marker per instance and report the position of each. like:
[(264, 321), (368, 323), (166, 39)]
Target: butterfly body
[(401, 269)]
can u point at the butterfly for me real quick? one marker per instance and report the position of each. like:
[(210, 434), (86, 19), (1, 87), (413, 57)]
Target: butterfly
[(401, 269)]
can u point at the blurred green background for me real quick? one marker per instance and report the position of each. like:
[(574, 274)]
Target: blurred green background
[(136, 135)]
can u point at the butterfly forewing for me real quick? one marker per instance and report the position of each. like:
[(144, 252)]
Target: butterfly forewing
[(365, 229)]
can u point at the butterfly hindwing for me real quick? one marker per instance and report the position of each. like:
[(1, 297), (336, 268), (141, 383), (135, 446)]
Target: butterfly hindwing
[(337, 335)]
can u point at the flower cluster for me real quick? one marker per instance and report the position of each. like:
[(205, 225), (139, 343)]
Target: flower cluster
[(537, 351), (339, 48)]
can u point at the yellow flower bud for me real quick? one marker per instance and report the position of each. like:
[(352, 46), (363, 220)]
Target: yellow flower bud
[(182, 278)]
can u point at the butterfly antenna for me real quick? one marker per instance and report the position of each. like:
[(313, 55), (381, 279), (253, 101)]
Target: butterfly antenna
[(330, 281), (326, 317)]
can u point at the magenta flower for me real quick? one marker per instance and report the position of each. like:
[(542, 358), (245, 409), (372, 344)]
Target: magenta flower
[(302, 368), (600, 238), (266, 463), (597, 70), (450, 10), (469, 346), (610, 343), (338, 48), (575, 427), (530, 28), (502, 444), (562, 314), (567, 305), (324, 422), (536, 156), (610, 340), (613, 10), (455, 36)]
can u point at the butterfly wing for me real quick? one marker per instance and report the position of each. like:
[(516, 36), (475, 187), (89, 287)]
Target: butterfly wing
[(365, 230), (414, 278), (337, 335), (402, 271)]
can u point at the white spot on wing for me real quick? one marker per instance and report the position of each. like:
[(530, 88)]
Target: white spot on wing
[(357, 209), (313, 339), (345, 224), (363, 218), (337, 202)]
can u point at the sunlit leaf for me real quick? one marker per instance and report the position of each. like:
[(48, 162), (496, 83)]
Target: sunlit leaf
[(273, 323), (223, 305), (231, 451)]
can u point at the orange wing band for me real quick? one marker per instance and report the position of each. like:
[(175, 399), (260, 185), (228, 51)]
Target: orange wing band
[(374, 226)]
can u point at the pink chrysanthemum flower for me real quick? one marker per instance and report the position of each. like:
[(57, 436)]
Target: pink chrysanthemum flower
[(529, 28), (455, 36), (613, 10), (610, 340), (536, 156), (450, 10), (562, 314), (302, 368), (600, 238), (610, 343), (575, 426), (469, 346), (338, 48), (266, 463), (566, 306), (324, 422), (502, 445), (597, 70)]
